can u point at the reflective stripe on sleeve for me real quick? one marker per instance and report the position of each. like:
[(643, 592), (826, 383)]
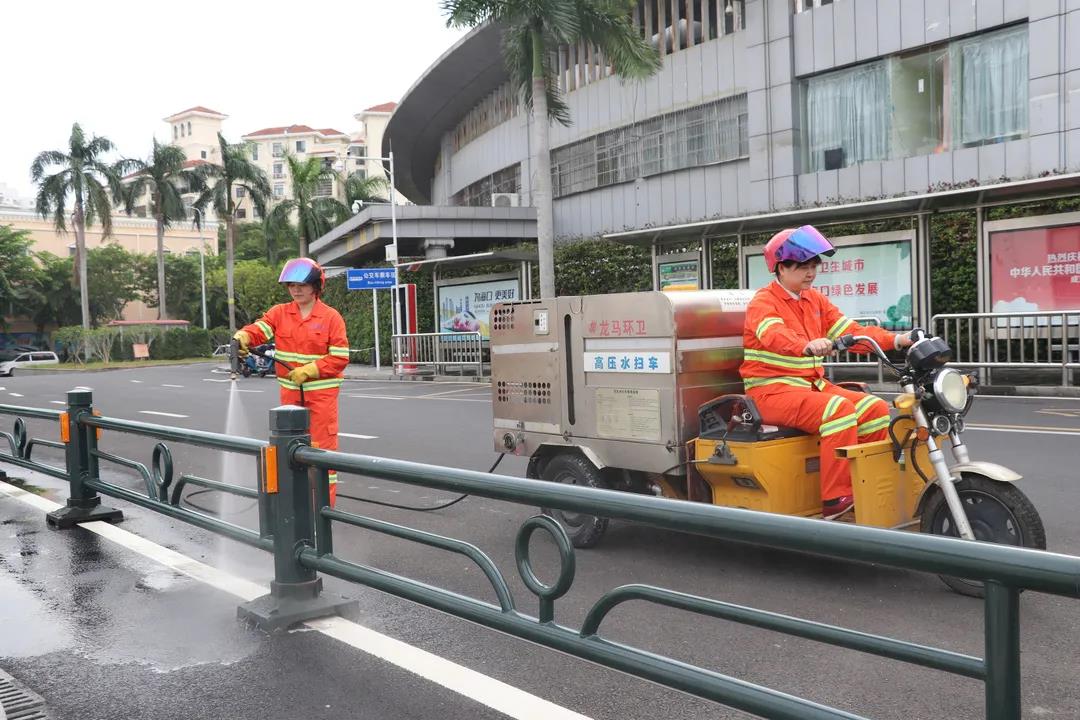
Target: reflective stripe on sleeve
[(766, 324), (839, 327), (266, 329)]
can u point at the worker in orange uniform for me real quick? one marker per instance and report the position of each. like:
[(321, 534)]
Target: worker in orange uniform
[(789, 328), (310, 335)]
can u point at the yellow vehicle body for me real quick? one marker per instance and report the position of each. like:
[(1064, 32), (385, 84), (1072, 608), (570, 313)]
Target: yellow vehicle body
[(781, 476)]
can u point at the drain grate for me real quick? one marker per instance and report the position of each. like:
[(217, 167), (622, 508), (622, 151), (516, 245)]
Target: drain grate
[(18, 702)]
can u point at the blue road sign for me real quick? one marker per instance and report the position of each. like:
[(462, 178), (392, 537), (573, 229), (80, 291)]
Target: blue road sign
[(369, 278)]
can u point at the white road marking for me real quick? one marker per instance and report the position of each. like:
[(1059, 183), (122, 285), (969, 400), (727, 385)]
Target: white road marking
[(136, 381), (495, 694), (58, 402), (16, 395), (447, 392), (1029, 431), (222, 380), (172, 386), (162, 414), (248, 391), (359, 437)]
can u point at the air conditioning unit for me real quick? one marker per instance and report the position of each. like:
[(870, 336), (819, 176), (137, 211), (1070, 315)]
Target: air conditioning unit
[(505, 200)]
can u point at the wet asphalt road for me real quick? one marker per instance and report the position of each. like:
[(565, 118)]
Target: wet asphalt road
[(109, 613)]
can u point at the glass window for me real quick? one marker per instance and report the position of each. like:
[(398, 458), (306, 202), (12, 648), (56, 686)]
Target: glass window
[(278, 170), (175, 132), (301, 146), (990, 84), (277, 149), (241, 191), (202, 154), (847, 117), (279, 190), (254, 151), (710, 133), (918, 82), (189, 127), (241, 214)]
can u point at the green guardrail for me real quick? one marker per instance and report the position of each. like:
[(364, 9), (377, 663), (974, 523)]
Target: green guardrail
[(296, 526)]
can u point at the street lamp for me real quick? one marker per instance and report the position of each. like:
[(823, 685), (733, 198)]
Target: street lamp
[(202, 265)]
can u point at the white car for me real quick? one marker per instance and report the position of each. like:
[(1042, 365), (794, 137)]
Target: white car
[(26, 359)]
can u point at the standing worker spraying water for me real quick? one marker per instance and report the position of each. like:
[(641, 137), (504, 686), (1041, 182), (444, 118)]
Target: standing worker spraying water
[(310, 336)]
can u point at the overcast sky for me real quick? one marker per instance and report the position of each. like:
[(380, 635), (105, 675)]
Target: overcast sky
[(118, 67)]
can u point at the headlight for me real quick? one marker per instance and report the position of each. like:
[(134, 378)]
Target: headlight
[(950, 390)]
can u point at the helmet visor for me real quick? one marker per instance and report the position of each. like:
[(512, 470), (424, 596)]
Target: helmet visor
[(804, 244), (297, 270)]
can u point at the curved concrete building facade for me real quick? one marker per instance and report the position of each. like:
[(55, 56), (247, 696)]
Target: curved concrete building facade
[(761, 107)]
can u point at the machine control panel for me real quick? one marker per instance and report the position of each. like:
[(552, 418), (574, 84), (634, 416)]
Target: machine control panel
[(540, 322)]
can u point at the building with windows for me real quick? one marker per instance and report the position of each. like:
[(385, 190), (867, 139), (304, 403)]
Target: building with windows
[(765, 114)]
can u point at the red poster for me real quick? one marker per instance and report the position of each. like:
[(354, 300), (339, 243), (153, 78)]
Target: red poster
[(1035, 269)]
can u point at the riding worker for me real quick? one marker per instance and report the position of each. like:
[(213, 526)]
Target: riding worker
[(310, 336), (789, 328)]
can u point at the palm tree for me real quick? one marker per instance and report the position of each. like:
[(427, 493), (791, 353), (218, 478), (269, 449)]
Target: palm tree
[(532, 30), (316, 211), (164, 176), (218, 181), (365, 190), (85, 177)]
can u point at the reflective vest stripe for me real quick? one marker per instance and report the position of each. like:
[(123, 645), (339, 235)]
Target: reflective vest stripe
[(296, 357), (784, 361), (338, 351), (750, 383), (311, 385)]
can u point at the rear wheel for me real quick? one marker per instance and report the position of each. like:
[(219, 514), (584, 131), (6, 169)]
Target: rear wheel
[(998, 512), (583, 530)]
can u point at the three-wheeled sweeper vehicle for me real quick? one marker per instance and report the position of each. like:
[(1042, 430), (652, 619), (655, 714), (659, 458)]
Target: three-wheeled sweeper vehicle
[(641, 392)]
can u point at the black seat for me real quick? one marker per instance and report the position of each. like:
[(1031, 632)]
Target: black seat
[(735, 417)]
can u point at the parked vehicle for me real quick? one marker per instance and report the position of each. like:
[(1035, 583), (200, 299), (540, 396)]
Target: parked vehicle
[(11, 361)]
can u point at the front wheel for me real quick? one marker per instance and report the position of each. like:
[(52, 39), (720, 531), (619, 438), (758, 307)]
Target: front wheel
[(998, 512), (583, 530)]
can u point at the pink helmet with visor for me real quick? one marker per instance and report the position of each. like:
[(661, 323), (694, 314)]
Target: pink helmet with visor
[(797, 244)]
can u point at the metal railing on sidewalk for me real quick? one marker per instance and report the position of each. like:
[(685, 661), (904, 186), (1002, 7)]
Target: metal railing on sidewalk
[(439, 352), (1041, 340), (296, 524)]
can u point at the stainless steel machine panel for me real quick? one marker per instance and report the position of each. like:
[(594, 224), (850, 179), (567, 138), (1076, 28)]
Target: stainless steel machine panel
[(621, 375)]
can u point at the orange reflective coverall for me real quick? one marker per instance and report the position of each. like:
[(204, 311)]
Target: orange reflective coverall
[(790, 389), (318, 338)]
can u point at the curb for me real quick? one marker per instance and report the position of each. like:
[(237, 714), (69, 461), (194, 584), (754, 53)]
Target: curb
[(69, 371)]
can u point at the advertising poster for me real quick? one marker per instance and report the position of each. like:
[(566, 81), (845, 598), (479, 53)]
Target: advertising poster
[(681, 275), (1035, 270), (467, 308), (872, 280)]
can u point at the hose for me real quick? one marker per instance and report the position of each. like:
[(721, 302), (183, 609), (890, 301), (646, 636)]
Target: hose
[(419, 509), (202, 508)]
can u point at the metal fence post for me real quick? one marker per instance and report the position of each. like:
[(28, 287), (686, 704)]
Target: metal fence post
[(296, 591), (83, 504), (1002, 652)]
